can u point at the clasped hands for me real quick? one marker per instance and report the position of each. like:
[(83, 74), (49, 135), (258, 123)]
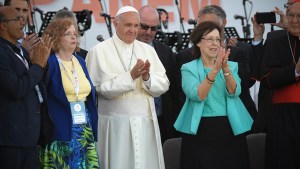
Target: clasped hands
[(141, 68), (221, 61)]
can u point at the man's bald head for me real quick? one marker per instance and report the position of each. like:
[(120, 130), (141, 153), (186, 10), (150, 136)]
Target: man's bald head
[(149, 12), (149, 24)]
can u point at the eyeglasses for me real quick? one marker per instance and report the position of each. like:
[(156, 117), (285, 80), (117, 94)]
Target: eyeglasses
[(19, 18), (146, 27), (211, 40), (287, 5), (291, 16)]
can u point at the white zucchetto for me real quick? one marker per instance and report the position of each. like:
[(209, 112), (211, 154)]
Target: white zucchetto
[(125, 9)]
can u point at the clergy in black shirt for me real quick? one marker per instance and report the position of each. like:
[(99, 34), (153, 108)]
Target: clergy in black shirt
[(282, 74)]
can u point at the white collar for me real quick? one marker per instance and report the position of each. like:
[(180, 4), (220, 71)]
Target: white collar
[(121, 43)]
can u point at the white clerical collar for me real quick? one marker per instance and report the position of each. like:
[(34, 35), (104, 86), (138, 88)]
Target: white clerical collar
[(121, 43)]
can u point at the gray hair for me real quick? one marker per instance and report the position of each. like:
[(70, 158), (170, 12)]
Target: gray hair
[(118, 18), (211, 10), (65, 14), (221, 10)]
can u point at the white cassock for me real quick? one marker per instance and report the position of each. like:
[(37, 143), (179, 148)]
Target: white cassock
[(128, 132)]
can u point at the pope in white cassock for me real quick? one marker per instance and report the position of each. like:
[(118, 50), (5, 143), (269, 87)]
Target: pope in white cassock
[(127, 74)]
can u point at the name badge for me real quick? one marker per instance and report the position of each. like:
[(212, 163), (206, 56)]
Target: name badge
[(78, 112)]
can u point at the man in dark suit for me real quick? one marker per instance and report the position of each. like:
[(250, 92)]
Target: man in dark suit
[(280, 72), (166, 105), (20, 95), (265, 107), (240, 52)]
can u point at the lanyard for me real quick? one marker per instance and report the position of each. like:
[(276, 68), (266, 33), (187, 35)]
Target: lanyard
[(75, 82), (22, 58), (25, 62)]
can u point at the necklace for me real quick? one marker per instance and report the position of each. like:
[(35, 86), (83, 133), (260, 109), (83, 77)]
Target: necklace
[(74, 81), (124, 66), (69, 65), (291, 48)]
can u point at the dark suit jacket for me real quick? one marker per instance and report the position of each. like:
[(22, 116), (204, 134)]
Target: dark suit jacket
[(241, 54), (264, 94), (182, 57), (170, 98), (19, 104)]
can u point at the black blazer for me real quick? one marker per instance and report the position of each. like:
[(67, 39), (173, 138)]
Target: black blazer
[(242, 53), (170, 98), (19, 105)]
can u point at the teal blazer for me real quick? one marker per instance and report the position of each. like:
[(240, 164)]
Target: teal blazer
[(191, 112)]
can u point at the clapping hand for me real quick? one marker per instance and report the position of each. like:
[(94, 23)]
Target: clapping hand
[(146, 70), (30, 42), (221, 61), (232, 41), (41, 51), (225, 67)]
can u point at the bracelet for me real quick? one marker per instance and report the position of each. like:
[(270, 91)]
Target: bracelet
[(227, 73), (209, 80)]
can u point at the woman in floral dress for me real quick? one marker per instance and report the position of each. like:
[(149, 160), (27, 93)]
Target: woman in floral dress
[(71, 104)]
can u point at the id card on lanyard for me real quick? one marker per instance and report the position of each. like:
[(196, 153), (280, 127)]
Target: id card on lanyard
[(78, 112), (78, 107)]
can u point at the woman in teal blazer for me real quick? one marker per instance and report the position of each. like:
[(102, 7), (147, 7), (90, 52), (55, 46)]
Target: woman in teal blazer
[(213, 118)]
